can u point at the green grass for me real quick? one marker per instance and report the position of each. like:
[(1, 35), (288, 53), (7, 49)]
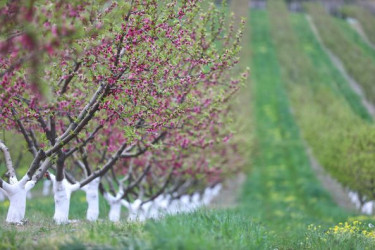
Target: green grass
[(288, 197), (205, 229)]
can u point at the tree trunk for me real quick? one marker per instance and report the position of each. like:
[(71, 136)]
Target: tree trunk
[(2, 194), (46, 187), (17, 193), (17, 207), (135, 211), (114, 207), (62, 192), (92, 197), (115, 211)]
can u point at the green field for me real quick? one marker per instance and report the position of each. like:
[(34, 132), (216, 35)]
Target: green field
[(295, 97)]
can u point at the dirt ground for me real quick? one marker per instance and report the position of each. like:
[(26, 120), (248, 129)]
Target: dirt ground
[(229, 194)]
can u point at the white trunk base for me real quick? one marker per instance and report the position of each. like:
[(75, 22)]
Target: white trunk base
[(2, 194), (115, 211), (115, 206), (17, 193), (62, 192), (17, 207), (135, 211), (92, 197), (46, 187)]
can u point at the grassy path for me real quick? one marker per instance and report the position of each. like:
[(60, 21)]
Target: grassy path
[(282, 191)]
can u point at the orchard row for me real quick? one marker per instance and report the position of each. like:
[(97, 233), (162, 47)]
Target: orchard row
[(329, 78), (130, 99)]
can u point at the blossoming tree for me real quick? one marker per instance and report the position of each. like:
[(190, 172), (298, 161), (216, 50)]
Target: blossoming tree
[(80, 73)]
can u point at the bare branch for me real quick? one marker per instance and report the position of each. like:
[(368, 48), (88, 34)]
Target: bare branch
[(33, 138), (106, 167), (69, 79), (139, 179), (8, 161), (161, 190), (141, 151), (31, 146), (87, 109), (84, 143), (35, 163), (43, 168)]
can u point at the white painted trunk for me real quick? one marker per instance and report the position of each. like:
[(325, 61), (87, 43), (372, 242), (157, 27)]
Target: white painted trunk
[(92, 197), (2, 195), (174, 207), (185, 204), (114, 207), (367, 208), (46, 187), (62, 193), (207, 196), (146, 209), (115, 211), (135, 211), (17, 207), (17, 193), (153, 211), (216, 190), (62, 203)]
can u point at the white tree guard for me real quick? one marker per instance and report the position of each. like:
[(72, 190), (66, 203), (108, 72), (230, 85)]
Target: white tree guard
[(46, 187), (114, 206), (16, 191), (92, 198), (2, 195), (135, 211), (62, 193)]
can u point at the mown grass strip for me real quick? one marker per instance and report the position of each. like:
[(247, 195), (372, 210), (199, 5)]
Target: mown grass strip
[(282, 192)]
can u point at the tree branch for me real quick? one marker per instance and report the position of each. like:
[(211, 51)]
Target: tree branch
[(106, 167), (8, 161), (161, 190), (31, 146), (84, 143), (69, 79), (43, 168), (141, 151)]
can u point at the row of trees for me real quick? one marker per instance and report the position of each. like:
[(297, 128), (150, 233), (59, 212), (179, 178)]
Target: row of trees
[(131, 92), (331, 116), (347, 152)]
